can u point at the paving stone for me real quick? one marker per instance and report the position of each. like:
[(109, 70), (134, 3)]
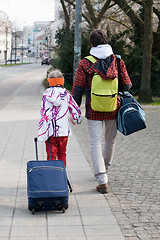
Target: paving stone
[(63, 220), (103, 230), (27, 238), (67, 238), (65, 231), (4, 231)]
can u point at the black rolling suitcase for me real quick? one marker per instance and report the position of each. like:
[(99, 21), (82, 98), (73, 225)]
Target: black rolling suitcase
[(47, 185)]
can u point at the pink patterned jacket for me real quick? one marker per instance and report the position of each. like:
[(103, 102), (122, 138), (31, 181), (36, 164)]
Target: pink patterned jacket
[(56, 107)]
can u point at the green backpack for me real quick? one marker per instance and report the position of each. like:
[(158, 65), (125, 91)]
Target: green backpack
[(103, 92)]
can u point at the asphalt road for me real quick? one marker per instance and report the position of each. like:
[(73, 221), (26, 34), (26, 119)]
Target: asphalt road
[(14, 77)]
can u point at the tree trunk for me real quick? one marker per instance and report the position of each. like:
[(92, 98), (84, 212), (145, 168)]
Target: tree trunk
[(5, 57), (145, 94), (66, 15)]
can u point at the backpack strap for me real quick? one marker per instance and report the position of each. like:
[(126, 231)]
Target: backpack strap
[(91, 59)]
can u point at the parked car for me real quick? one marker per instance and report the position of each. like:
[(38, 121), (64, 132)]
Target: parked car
[(18, 58), (45, 60), (13, 60)]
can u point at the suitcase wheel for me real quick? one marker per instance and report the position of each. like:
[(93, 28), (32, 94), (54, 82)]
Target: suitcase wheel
[(33, 211), (63, 210)]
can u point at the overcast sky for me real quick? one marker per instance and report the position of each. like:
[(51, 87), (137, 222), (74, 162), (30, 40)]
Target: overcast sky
[(25, 12)]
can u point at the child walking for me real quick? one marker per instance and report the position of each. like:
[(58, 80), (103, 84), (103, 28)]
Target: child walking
[(57, 108)]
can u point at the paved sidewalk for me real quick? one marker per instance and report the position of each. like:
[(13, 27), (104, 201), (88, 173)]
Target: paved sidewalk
[(89, 216)]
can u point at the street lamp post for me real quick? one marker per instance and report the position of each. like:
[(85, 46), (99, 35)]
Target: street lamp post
[(21, 54), (77, 35)]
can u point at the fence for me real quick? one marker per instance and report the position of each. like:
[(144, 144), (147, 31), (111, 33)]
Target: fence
[(136, 81)]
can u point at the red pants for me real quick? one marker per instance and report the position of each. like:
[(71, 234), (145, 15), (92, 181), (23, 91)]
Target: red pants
[(58, 148)]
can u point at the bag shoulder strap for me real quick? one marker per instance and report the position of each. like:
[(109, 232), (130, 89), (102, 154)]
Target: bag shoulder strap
[(118, 58), (120, 84)]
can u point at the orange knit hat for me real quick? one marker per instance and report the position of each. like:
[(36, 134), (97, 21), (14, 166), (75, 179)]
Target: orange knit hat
[(56, 81)]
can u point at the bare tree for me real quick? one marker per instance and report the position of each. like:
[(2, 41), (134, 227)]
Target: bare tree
[(6, 30), (17, 35), (145, 30), (93, 12), (66, 11)]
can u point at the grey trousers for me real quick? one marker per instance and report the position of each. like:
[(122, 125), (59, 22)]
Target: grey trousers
[(102, 158)]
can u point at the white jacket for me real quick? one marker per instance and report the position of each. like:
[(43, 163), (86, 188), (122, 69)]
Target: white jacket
[(56, 105)]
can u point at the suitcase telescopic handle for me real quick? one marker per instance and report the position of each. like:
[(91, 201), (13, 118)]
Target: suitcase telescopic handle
[(36, 148), (49, 146), (69, 185)]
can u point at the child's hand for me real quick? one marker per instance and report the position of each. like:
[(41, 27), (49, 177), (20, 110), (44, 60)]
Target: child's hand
[(72, 121)]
